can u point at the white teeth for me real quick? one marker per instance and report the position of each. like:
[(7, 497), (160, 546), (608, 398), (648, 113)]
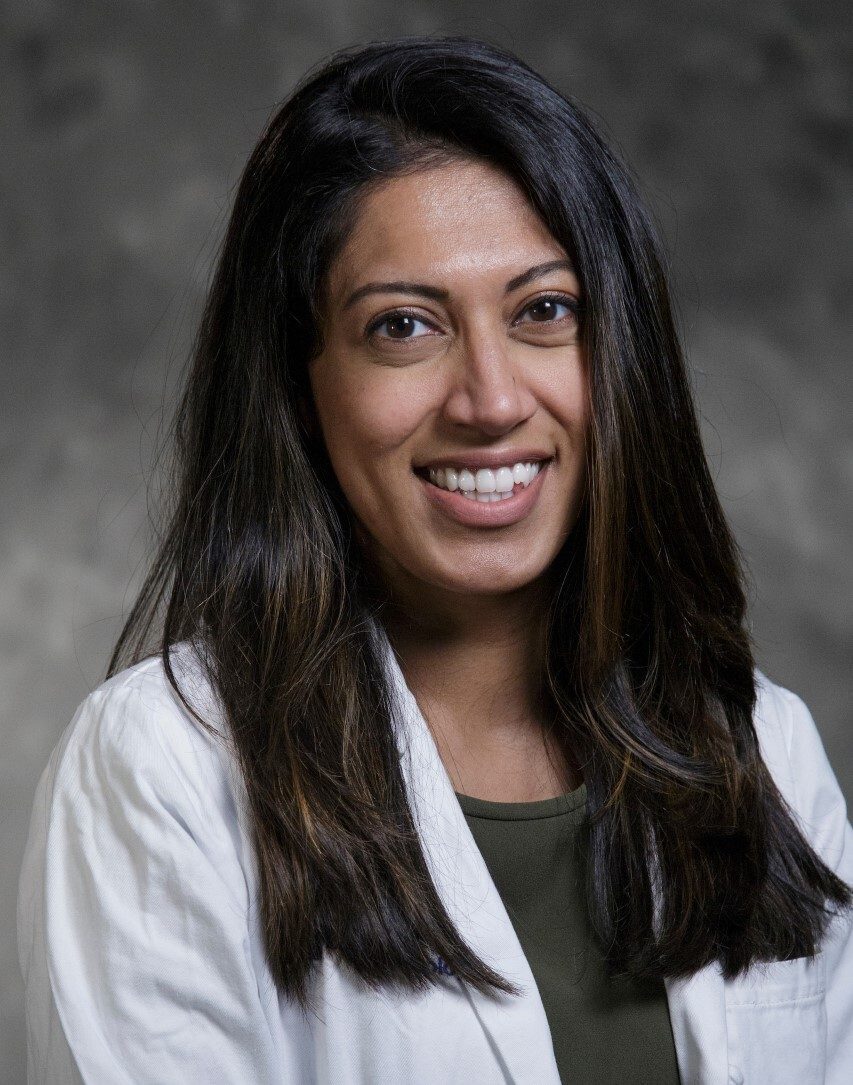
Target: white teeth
[(486, 485), (485, 481), (466, 481), (484, 499), (504, 480)]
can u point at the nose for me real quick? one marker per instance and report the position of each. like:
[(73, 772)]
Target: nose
[(488, 389)]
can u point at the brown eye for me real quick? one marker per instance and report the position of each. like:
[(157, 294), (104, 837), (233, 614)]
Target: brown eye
[(546, 310), (399, 326), (543, 310)]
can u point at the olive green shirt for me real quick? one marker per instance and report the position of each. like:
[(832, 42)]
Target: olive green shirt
[(605, 1032)]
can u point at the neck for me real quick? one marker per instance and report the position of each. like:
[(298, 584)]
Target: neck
[(475, 666), (474, 662)]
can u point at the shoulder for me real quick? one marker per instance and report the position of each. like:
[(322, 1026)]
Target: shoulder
[(773, 720), (136, 900), (793, 750), (139, 713), (133, 746), (137, 794)]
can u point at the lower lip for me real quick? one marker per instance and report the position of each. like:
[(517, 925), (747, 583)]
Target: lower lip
[(472, 513)]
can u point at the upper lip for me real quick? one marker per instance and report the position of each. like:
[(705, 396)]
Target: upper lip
[(492, 457)]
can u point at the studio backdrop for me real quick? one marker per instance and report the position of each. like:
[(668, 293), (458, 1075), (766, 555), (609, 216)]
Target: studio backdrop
[(124, 127)]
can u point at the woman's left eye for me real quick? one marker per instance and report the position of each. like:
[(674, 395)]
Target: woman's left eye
[(544, 309), (399, 326)]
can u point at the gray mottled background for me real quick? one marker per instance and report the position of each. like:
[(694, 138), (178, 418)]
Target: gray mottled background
[(124, 126)]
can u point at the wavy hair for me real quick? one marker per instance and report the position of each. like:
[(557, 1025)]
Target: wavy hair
[(692, 854)]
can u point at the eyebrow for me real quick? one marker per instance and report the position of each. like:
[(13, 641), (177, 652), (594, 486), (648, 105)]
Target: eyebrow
[(433, 292)]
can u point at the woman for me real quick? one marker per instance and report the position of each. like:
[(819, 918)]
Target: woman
[(452, 762)]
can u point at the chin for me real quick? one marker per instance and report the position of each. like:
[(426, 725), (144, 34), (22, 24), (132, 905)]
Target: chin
[(482, 581), (462, 571)]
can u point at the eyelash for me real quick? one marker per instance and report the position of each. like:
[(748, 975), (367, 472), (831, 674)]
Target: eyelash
[(571, 303)]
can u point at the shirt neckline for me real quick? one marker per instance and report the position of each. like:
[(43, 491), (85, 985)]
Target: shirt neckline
[(559, 805)]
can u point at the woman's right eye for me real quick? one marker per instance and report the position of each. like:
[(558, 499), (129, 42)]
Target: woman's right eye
[(400, 326)]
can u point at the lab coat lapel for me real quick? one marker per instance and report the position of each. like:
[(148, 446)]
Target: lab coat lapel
[(697, 1011), (516, 1026)]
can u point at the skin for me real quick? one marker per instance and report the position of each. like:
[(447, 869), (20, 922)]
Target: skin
[(479, 369)]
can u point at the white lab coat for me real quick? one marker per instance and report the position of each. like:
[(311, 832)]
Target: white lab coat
[(140, 949)]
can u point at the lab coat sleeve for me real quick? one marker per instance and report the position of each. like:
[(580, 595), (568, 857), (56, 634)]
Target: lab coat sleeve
[(823, 814), (133, 928)]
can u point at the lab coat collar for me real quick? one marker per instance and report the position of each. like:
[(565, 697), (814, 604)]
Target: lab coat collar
[(517, 1026)]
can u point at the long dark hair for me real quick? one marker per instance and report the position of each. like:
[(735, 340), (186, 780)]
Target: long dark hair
[(648, 666)]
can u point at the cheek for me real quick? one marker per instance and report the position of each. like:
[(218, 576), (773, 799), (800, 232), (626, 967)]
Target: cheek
[(563, 390), (366, 421)]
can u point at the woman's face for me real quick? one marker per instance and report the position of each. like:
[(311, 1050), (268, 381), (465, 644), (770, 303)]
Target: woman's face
[(452, 372)]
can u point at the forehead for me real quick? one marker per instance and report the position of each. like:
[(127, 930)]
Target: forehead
[(465, 215)]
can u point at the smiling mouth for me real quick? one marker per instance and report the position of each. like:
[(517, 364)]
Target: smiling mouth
[(485, 485)]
